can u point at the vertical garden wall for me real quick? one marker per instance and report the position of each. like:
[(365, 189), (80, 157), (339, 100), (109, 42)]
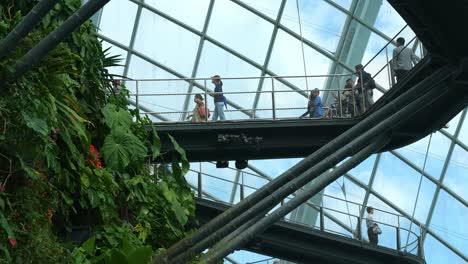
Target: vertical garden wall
[(75, 160)]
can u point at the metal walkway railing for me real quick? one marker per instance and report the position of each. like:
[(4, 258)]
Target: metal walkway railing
[(331, 218)]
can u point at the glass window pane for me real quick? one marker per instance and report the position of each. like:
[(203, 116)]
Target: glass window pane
[(287, 60), (344, 3), (435, 252), (456, 177), (399, 183), (449, 221), (267, 7), (215, 60), (166, 42), (364, 170), (438, 150), (249, 35), (167, 106), (118, 18), (190, 12), (321, 22)]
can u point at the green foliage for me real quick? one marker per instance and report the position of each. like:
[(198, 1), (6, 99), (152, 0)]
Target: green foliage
[(55, 122)]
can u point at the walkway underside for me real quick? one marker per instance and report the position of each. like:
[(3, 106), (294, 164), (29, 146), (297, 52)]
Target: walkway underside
[(301, 244), (295, 138)]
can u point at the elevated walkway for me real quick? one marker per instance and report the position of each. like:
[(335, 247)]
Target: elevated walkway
[(294, 137), (336, 235), (302, 244)]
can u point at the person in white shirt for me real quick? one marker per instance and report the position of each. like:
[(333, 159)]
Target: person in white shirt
[(370, 223), (403, 59)]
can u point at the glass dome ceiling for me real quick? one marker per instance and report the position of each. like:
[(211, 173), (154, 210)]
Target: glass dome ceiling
[(200, 38)]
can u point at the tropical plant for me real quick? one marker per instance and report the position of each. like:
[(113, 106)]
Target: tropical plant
[(74, 159)]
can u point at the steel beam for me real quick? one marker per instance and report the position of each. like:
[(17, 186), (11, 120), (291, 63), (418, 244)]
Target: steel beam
[(269, 52)]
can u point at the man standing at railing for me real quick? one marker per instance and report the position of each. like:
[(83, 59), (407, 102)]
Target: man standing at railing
[(403, 59), (373, 230), (218, 98)]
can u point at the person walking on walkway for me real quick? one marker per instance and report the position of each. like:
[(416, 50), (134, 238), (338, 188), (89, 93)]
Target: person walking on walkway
[(218, 98), (373, 230), (403, 59)]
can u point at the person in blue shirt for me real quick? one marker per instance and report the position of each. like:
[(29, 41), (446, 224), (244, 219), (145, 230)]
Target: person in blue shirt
[(219, 99), (314, 107)]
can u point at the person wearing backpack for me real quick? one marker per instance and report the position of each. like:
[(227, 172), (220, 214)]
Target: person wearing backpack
[(200, 112), (219, 99)]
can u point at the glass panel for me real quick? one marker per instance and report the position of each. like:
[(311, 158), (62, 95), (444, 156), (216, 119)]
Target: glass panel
[(438, 150), (274, 167), (456, 177), (215, 60), (399, 184), (250, 35), (157, 102), (118, 70), (177, 49), (190, 12), (118, 18), (287, 60), (344, 3), (364, 170), (267, 7), (449, 221), (390, 22), (435, 252), (321, 22), (463, 135)]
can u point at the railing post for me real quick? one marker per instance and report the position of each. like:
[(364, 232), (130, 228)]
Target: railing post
[(199, 189), (322, 220), (398, 235), (273, 98), (339, 97), (206, 101), (353, 91), (363, 93), (359, 231), (398, 242)]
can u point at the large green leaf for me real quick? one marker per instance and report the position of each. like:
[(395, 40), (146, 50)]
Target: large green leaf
[(183, 156), (36, 124), (117, 118), (122, 147)]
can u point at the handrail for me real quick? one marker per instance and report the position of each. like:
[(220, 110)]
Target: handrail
[(321, 210), (241, 78)]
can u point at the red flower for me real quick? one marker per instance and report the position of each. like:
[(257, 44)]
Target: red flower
[(95, 155), (2, 188), (12, 241)]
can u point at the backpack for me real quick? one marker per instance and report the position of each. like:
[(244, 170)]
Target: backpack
[(202, 111)]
